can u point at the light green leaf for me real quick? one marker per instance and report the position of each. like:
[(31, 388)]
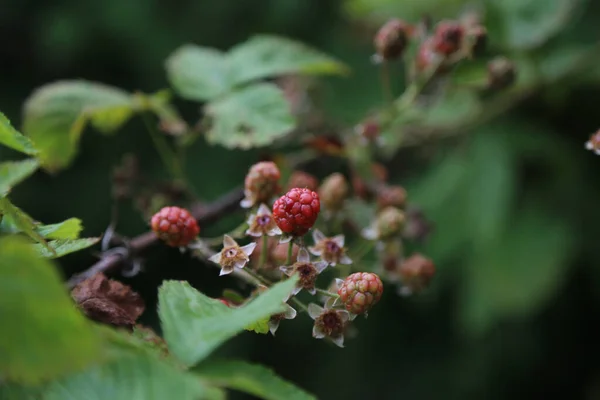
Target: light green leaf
[(43, 334), (254, 116), (253, 379), (14, 172), (20, 221), (68, 229), (128, 377), (10, 137), (194, 324), (62, 247), (264, 56), (56, 114), (198, 73), (261, 326)]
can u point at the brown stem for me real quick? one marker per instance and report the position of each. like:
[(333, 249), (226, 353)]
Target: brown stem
[(204, 213)]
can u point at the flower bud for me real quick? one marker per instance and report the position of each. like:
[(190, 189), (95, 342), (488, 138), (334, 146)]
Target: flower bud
[(392, 39), (393, 195), (416, 273), (501, 73), (333, 191), (301, 179), (448, 37), (390, 222), (593, 143)]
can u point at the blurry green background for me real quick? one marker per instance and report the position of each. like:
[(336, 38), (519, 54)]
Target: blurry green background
[(513, 311)]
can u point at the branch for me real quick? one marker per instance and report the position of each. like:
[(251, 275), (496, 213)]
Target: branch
[(139, 244)]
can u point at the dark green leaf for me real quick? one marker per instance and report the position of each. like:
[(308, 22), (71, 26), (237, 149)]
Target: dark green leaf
[(62, 247), (252, 379), (56, 114), (68, 229), (265, 56), (43, 335), (14, 172), (254, 116), (10, 137), (198, 73), (194, 324)]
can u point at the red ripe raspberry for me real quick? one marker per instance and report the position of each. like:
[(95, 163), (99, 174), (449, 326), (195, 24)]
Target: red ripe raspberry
[(261, 184), (360, 291), (448, 37), (175, 226), (296, 211)]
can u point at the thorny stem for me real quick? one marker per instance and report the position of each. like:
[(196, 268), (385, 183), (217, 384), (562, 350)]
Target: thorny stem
[(288, 260), (263, 251), (327, 293)]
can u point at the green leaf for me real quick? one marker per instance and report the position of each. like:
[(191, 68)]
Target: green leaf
[(254, 116), (62, 247), (14, 172), (261, 326), (252, 379), (44, 336), (11, 391), (20, 221), (56, 114), (264, 56), (130, 376), (10, 137), (68, 229), (198, 73), (194, 324), (529, 24), (520, 273)]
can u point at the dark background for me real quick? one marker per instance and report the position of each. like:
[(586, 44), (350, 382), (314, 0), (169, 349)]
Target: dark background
[(513, 311)]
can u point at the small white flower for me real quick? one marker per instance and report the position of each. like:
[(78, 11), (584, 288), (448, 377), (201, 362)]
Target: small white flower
[(306, 270), (232, 255)]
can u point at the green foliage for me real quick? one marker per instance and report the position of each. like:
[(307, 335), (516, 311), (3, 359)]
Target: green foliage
[(62, 247), (14, 172), (264, 56), (20, 221), (194, 324), (250, 378), (253, 116), (68, 229), (55, 116), (129, 376), (10, 137), (261, 326), (43, 336)]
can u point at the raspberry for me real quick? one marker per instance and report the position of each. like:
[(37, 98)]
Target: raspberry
[(360, 291), (448, 37), (175, 226), (296, 211), (302, 179), (261, 184), (333, 191), (391, 39)]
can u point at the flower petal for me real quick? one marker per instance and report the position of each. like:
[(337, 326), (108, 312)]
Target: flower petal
[(240, 263), (303, 255), (216, 258), (405, 291), (315, 251), (247, 202), (312, 291), (317, 332), (253, 232), (225, 271), (275, 231), (344, 315), (273, 326), (229, 242), (249, 248), (314, 310), (339, 240), (287, 269), (290, 312), (263, 210), (251, 219), (320, 266), (370, 233), (285, 238), (338, 341), (339, 282), (344, 259), (318, 236)]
